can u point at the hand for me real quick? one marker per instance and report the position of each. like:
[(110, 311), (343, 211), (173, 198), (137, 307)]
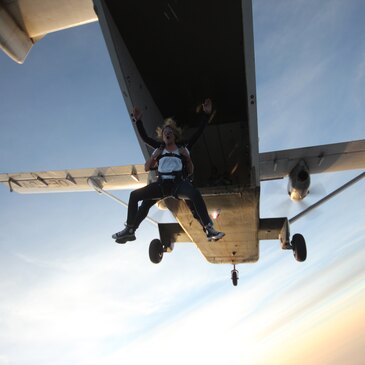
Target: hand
[(207, 106), (157, 153), (136, 114)]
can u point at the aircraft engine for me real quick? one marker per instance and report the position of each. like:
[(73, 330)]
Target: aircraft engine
[(299, 181)]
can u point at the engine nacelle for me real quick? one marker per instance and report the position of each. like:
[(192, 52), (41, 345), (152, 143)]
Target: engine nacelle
[(299, 181)]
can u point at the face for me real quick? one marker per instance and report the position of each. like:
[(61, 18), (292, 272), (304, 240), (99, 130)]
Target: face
[(168, 136)]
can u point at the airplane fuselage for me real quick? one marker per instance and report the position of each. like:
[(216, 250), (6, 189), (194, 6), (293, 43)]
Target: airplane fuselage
[(180, 54)]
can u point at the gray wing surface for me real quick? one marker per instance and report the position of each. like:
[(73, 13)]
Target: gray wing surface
[(108, 178), (24, 22), (323, 158)]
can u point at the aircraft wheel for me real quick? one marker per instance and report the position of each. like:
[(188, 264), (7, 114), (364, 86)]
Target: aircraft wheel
[(234, 277), (156, 251), (299, 247)]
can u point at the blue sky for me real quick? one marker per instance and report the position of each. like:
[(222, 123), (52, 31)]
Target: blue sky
[(69, 295)]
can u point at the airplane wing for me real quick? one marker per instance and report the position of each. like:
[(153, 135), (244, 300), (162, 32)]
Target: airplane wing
[(107, 178), (324, 158), (24, 22)]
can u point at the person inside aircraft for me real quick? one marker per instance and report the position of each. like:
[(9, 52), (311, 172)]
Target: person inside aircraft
[(169, 159), (205, 115)]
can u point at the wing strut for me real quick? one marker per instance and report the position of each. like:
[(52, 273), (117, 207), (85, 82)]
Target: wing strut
[(327, 197), (96, 184)]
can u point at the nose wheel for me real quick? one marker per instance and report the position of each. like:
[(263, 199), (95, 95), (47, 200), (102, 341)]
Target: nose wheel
[(234, 276)]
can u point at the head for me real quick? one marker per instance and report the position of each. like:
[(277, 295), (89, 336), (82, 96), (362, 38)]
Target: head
[(169, 132)]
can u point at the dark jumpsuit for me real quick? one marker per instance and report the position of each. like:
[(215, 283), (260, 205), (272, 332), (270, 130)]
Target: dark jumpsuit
[(148, 203)]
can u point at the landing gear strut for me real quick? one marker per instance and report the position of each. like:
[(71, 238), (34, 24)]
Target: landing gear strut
[(234, 276)]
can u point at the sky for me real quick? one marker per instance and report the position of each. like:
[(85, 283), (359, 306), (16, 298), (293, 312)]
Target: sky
[(70, 295)]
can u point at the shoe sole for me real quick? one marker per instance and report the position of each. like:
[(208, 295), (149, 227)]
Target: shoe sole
[(125, 239), (115, 237), (217, 237)]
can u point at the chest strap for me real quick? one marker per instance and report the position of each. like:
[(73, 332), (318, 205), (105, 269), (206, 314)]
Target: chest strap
[(169, 154)]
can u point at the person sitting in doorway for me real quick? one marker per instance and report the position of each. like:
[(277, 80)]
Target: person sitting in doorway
[(169, 159), (206, 114)]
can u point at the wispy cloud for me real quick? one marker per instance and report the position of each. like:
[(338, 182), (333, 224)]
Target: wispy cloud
[(300, 67)]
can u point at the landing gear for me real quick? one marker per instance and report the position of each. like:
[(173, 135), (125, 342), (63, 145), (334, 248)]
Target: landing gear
[(297, 244), (157, 249), (234, 276), (299, 247)]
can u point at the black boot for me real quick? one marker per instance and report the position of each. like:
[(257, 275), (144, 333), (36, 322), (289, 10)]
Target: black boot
[(126, 235)]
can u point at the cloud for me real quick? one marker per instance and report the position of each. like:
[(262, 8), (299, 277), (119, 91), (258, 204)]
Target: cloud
[(69, 295), (300, 65)]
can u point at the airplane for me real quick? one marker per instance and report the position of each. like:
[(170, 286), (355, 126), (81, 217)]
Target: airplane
[(168, 56)]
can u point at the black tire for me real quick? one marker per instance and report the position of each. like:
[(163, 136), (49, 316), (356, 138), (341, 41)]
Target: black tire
[(156, 251), (299, 247), (234, 277)]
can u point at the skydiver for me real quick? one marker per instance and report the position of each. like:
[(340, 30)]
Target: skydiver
[(169, 160), (205, 116)]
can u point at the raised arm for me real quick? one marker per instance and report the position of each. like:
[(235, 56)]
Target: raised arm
[(205, 113), (137, 118)]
